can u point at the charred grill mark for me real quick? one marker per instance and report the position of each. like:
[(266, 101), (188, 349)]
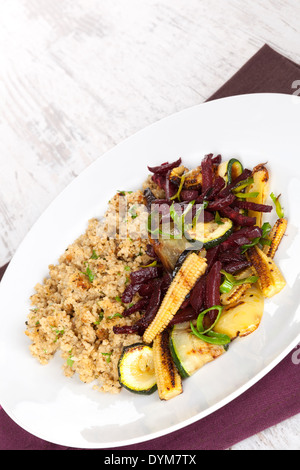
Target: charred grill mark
[(167, 358)]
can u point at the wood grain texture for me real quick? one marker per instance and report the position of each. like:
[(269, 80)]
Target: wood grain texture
[(78, 77)]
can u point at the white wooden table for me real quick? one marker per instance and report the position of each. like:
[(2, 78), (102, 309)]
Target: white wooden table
[(77, 77)]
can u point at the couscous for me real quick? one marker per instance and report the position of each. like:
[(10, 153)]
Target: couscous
[(75, 308)]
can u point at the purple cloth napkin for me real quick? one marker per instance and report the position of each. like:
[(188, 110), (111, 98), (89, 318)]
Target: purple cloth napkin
[(274, 398)]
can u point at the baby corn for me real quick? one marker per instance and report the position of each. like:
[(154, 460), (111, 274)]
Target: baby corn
[(275, 236), (271, 280), (168, 380), (237, 291), (234, 295), (192, 268)]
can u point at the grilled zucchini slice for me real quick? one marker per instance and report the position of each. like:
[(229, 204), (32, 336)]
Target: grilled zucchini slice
[(136, 369), (211, 233), (189, 352), (234, 169), (243, 317)]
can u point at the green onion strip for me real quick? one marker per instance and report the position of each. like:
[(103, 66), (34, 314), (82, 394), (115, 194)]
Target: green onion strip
[(179, 220), (230, 282), (247, 195), (266, 228), (208, 335), (243, 184), (278, 206), (177, 195)]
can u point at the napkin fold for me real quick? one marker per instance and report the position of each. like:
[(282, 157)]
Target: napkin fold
[(266, 72), (273, 399)]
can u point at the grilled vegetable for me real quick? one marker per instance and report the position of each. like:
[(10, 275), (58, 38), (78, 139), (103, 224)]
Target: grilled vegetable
[(177, 173), (189, 195), (193, 178), (234, 295), (218, 185), (260, 185), (231, 297), (211, 233), (207, 332), (252, 206), (169, 250), (222, 170), (136, 369), (278, 207), (238, 218), (219, 204), (207, 169), (189, 352), (192, 268), (189, 179), (168, 379), (275, 236), (230, 281), (271, 280), (241, 236), (243, 317), (164, 168), (234, 169), (212, 292), (197, 297)]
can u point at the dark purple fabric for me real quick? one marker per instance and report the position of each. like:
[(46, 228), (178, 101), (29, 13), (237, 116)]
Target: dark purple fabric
[(274, 398), (2, 271), (266, 72)]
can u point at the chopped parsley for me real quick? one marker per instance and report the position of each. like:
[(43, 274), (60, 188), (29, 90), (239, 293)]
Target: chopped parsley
[(89, 274), (123, 193), (70, 361), (108, 356), (132, 212), (115, 315), (94, 255), (101, 316), (58, 333)]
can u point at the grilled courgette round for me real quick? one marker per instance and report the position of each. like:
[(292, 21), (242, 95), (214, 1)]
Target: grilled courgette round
[(234, 169), (136, 369), (190, 353), (211, 233)]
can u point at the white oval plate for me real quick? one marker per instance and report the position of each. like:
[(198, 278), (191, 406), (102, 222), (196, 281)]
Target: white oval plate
[(255, 128)]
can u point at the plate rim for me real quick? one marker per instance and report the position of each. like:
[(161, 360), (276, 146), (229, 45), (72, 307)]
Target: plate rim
[(183, 424), (209, 410)]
